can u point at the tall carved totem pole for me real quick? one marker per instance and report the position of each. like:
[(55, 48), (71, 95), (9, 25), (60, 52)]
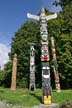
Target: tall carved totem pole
[(46, 83), (56, 74), (32, 67), (14, 70)]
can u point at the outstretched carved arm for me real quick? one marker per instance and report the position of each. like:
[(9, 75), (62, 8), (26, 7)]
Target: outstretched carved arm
[(33, 16), (49, 17)]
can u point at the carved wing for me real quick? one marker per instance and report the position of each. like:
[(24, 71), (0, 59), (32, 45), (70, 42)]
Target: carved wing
[(49, 17), (33, 16)]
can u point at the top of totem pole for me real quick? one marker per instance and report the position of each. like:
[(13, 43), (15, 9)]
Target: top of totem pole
[(15, 55), (52, 38), (42, 16), (42, 12), (15, 58)]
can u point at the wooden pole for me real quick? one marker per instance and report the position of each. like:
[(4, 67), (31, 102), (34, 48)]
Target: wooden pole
[(32, 67), (56, 74), (14, 70), (46, 83)]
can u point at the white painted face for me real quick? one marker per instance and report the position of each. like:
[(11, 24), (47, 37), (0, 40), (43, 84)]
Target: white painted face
[(32, 60), (45, 72), (44, 37)]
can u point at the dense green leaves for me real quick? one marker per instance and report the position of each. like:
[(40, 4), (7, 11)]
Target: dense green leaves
[(5, 76), (61, 29), (28, 33)]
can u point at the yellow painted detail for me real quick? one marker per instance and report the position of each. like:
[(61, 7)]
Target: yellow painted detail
[(45, 97), (49, 97), (47, 100)]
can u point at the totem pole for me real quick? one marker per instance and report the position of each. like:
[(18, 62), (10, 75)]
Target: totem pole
[(56, 74), (32, 67), (14, 70), (46, 85)]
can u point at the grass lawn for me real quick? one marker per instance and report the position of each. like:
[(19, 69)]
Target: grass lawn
[(31, 98)]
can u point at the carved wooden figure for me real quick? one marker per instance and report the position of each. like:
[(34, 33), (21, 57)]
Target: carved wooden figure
[(46, 83), (56, 74), (32, 67)]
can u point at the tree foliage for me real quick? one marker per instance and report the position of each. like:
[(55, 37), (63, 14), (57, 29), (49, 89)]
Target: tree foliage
[(64, 42), (61, 29), (28, 33), (5, 75)]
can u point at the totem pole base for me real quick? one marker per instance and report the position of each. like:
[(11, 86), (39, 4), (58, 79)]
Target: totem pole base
[(32, 87), (13, 89), (48, 106), (58, 91)]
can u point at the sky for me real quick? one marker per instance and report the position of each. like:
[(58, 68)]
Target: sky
[(13, 13)]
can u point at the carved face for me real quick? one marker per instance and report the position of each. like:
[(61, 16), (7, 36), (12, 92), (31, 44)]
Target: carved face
[(32, 61), (43, 28), (45, 73), (45, 77), (32, 51), (44, 36), (44, 53)]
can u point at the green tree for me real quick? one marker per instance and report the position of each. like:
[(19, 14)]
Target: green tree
[(29, 32), (64, 42), (5, 75), (61, 29)]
